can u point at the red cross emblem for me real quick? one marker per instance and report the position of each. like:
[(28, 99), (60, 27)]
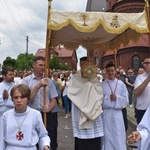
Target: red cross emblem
[(19, 136)]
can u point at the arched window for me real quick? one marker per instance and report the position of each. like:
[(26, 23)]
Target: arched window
[(135, 62)]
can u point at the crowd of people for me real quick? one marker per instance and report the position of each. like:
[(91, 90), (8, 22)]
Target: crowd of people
[(96, 105)]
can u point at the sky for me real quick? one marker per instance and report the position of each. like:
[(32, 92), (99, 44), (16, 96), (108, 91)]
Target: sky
[(22, 18)]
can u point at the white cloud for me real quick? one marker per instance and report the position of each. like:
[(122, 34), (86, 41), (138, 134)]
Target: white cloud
[(21, 18)]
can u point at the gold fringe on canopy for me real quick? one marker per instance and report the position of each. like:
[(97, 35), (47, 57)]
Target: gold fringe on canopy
[(94, 30)]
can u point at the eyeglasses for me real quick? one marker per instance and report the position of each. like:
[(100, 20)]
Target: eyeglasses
[(145, 63)]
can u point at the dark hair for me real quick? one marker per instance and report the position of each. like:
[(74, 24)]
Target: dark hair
[(6, 69), (118, 72), (23, 89), (110, 65), (83, 58), (38, 58)]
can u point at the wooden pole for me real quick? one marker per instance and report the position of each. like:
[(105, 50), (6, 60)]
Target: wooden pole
[(115, 58), (148, 16), (47, 60), (149, 22)]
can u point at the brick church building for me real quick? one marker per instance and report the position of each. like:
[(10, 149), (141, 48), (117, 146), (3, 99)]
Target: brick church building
[(130, 56)]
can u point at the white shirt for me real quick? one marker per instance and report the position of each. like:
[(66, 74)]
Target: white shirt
[(143, 101), (5, 104), (144, 129), (18, 80), (65, 84), (32, 128)]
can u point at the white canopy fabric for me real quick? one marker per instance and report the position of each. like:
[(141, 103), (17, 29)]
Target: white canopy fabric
[(95, 30)]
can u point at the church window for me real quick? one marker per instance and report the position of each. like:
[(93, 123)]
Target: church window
[(135, 62)]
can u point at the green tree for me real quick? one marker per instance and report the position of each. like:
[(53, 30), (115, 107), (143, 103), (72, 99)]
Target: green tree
[(55, 63), (9, 62), (24, 62), (64, 67)]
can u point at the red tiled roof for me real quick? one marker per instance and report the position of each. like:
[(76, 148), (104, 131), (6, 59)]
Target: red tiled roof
[(62, 52), (40, 52)]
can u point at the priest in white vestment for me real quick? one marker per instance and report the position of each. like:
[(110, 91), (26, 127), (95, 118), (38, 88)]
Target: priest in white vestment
[(86, 96), (114, 100)]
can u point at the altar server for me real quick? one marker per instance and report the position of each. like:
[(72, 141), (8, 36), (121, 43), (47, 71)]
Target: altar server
[(5, 88), (23, 126), (114, 100)]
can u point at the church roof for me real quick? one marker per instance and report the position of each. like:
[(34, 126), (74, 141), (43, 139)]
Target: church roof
[(60, 51)]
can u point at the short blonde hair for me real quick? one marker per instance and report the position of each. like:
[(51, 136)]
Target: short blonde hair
[(23, 89)]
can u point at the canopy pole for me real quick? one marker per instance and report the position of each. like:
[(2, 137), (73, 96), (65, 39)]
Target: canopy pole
[(149, 21), (47, 60), (115, 58), (148, 16)]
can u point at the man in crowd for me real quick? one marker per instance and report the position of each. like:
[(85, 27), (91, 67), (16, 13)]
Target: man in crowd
[(142, 90), (86, 96), (57, 85), (5, 99), (36, 82), (130, 79)]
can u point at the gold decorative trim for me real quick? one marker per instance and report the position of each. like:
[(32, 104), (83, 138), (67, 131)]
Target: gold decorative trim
[(115, 23)]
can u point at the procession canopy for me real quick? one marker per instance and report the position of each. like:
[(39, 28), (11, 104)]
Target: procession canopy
[(95, 30)]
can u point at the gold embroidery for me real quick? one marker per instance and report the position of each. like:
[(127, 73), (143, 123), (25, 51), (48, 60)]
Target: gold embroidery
[(96, 109), (84, 18), (115, 23)]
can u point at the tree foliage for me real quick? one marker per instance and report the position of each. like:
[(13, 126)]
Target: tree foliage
[(56, 64), (9, 62), (23, 62)]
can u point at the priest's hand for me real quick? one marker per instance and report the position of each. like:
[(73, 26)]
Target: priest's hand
[(112, 96), (5, 94), (134, 137), (46, 147)]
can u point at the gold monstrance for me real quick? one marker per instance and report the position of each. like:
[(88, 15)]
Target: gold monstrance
[(89, 71)]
